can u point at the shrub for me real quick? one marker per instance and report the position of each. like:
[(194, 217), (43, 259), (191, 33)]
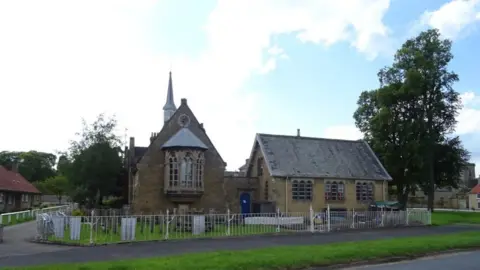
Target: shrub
[(78, 213)]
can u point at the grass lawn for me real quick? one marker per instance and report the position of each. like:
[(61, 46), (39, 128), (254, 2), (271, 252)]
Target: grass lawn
[(145, 232), (298, 257), (445, 218), (14, 220)]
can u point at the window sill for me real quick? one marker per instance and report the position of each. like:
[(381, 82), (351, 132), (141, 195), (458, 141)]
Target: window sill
[(336, 201)]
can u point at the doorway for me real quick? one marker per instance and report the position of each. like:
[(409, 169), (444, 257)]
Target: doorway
[(245, 203)]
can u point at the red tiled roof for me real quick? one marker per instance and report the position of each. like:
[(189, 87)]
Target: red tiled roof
[(475, 189), (12, 181)]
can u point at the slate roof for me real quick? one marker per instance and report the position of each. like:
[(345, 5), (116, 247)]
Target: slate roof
[(12, 181), (184, 138), (139, 152), (296, 156)]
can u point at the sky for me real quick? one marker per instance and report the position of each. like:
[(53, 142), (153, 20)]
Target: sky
[(245, 66)]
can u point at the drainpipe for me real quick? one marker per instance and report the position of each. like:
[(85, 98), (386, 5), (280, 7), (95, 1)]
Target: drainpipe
[(286, 195)]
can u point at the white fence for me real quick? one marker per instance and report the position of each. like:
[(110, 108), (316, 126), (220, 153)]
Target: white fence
[(88, 230), (27, 215)]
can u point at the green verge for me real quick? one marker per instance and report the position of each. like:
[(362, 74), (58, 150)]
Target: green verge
[(445, 218), (288, 257), (14, 220)]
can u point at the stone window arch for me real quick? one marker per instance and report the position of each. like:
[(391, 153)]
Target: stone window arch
[(365, 191), (187, 171), (184, 169), (173, 172), (199, 163), (334, 191), (302, 190)]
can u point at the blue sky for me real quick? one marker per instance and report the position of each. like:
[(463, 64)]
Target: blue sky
[(245, 66)]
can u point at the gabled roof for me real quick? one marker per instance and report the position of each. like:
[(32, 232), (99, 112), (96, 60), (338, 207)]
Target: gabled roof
[(296, 156), (475, 189), (184, 138), (12, 181), (139, 152)]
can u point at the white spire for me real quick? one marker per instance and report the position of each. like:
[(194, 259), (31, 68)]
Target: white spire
[(169, 108)]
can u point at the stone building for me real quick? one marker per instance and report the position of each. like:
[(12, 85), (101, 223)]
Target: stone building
[(295, 172), (181, 169)]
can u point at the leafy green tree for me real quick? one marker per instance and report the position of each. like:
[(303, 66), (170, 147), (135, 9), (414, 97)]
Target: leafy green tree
[(63, 164), (410, 119), (96, 162), (57, 185), (33, 165), (423, 61)]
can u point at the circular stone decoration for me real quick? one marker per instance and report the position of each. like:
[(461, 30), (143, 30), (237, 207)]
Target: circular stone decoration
[(184, 120)]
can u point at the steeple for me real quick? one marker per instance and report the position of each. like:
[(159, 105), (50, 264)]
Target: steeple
[(169, 108)]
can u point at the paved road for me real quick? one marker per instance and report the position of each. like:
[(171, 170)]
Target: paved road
[(152, 249), (457, 261), (16, 241)]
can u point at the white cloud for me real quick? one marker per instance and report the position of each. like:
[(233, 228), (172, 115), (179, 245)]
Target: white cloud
[(345, 132), (64, 60), (453, 18), (469, 115)]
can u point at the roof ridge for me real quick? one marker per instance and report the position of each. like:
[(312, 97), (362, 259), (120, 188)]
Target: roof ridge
[(309, 138)]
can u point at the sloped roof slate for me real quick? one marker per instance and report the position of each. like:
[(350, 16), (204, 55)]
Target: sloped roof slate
[(296, 156), (184, 138)]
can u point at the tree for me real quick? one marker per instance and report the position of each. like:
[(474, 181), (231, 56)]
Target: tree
[(63, 164), (409, 120), (423, 61), (96, 162), (57, 185), (33, 165)]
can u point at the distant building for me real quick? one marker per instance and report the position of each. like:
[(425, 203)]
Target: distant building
[(16, 193)]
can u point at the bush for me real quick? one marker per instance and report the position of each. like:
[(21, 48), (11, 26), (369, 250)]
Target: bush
[(115, 203), (78, 213)]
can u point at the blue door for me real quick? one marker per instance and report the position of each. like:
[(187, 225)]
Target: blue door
[(245, 202)]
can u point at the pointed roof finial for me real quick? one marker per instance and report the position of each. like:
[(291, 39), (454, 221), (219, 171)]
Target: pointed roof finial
[(170, 104)]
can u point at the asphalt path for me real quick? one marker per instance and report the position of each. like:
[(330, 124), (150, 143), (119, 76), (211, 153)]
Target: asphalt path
[(457, 261), (38, 254)]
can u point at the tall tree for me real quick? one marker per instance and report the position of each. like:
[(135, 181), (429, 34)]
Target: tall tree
[(96, 162), (410, 118), (57, 185), (423, 61), (33, 165)]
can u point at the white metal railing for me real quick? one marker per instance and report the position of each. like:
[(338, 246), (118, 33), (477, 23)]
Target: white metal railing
[(27, 215), (94, 229)]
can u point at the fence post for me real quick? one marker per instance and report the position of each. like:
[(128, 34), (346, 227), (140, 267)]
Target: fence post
[(429, 218), (228, 222), (407, 212), (328, 217), (1, 219), (91, 226), (312, 217), (353, 218), (278, 220), (167, 222)]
